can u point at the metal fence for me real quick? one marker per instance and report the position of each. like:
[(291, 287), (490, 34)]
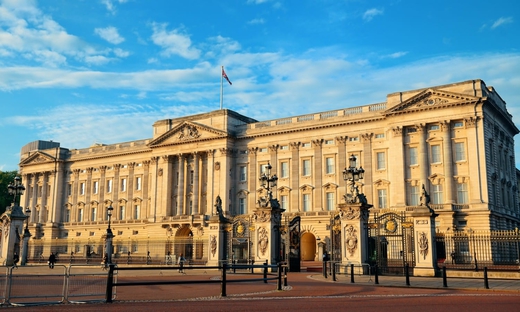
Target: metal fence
[(496, 250), (33, 285)]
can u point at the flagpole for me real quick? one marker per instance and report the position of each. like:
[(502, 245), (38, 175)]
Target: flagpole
[(221, 86)]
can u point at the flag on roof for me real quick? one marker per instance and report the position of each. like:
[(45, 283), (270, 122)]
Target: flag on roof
[(225, 76)]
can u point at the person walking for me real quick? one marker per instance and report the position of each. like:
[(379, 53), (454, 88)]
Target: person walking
[(181, 263), (16, 258), (52, 260)]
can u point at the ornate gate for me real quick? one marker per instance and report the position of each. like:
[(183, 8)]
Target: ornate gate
[(240, 249), (294, 244), (391, 243)]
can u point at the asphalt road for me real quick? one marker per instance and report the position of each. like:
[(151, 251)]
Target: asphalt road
[(302, 294)]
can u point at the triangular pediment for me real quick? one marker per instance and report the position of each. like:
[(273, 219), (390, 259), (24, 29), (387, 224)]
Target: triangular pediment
[(431, 99), (187, 132), (38, 158)]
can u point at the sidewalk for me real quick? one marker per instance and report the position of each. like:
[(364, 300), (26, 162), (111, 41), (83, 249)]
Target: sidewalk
[(510, 285)]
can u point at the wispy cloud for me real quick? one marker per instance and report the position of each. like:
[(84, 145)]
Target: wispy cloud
[(109, 34), (109, 4), (502, 21), (395, 55), (174, 42), (370, 14), (256, 21)]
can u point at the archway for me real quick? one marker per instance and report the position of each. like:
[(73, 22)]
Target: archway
[(184, 243), (308, 247)]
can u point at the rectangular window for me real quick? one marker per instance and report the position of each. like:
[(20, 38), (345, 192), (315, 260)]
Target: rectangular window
[(82, 188), (382, 198), (80, 215), (381, 163), (329, 165), (263, 169), (137, 212), (436, 153), (123, 185), (69, 189), (93, 214), (241, 206), (306, 202), (434, 127), (138, 183), (330, 201), (121, 212), (306, 167), (458, 124), (192, 177), (413, 156), (460, 153), (413, 195), (95, 187), (109, 186), (67, 215), (243, 173), (284, 202), (329, 142), (462, 193), (380, 135), (284, 169), (40, 191), (437, 194)]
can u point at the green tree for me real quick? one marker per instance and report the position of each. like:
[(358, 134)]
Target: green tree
[(6, 199)]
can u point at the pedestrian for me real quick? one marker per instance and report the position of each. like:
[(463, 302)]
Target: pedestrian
[(16, 258), (52, 260), (181, 263)]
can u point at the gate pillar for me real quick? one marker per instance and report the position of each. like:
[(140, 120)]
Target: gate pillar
[(12, 230), (267, 243), (219, 227), (354, 232), (425, 253)]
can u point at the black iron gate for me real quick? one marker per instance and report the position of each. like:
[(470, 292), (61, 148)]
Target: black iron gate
[(335, 234), (294, 244), (391, 243), (240, 240)]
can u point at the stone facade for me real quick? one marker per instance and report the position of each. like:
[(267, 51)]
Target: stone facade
[(456, 140)]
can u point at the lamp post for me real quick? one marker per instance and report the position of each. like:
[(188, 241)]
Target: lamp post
[(352, 174), (109, 237), (268, 181), (16, 189)]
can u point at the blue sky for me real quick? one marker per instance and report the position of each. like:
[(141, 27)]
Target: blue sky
[(102, 71)]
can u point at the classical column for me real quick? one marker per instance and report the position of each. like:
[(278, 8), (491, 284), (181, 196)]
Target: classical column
[(342, 161), (146, 181), (152, 214), (424, 162), (45, 208), (35, 196), (318, 174), (252, 176), (180, 187), (367, 161), (210, 182), (448, 162), (101, 190), (75, 186), (130, 190), (196, 191), (295, 176), (88, 193), (396, 170)]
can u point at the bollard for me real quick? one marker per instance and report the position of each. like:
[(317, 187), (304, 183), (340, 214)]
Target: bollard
[(352, 273), (223, 280), (279, 281), (252, 266), (376, 275), (265, 272), (234, 266), (486, 282), (407, 274), (333, 271), (325, 269), (444, 279), (110, 282)]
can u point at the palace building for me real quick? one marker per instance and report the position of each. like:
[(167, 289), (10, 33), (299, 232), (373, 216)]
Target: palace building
[(456, 141)]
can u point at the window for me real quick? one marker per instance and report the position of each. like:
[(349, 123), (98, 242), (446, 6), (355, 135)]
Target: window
[(306, 167), (80, 215), (243, 173), (382, 198), (67, 215), (462, 193), (109, 186), (190, 207), (434, 127), (69, 189), (40, 191), (263, 150), (123, 185), (307, 144), (241, 206), (192, 177), (436, 153), (82, 188), (138, 183), (329, 142), (284, 202), (353, 139), (121, 212), (458, 124), (413, 195), (137, 212), (263, 169), (437, 194), (330, 201), (380, 135), (381, 164), (284, 147), (93, 214), (95, 187), (460, 154), (284, 169), (413, 155), (306, 202), (329, 165)]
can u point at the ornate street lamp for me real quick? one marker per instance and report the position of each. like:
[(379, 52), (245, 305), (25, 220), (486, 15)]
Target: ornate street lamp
[(109, 235), (352, 174), (16, 189), (26, 236), (268, 181)]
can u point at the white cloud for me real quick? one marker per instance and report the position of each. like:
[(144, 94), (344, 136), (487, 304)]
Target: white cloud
[(109, 4), (256, 21), (370, 14), (174, 42), (121, 53), (109, 34), (395, 55), (502, 21)]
